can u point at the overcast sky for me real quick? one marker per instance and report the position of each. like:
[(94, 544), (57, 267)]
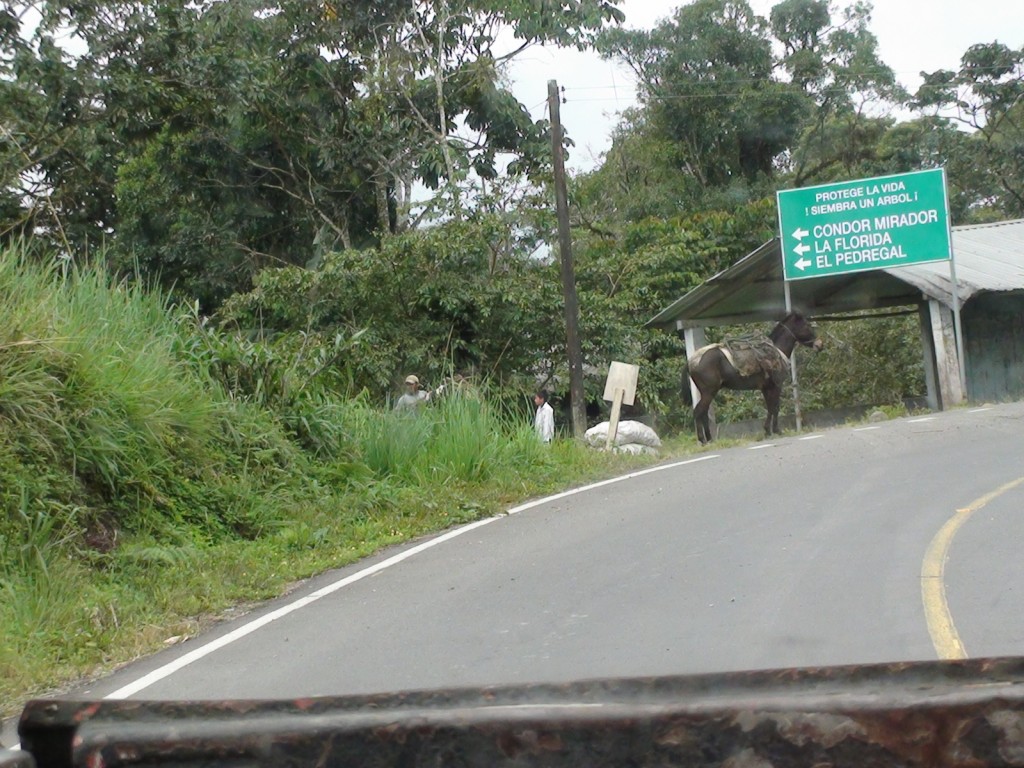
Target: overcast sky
[(913, 35)]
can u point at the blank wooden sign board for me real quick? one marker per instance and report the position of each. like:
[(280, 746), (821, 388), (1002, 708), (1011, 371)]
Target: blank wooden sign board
[(620, 388)]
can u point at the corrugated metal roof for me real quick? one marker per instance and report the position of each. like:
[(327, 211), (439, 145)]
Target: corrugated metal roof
[(989, 257)]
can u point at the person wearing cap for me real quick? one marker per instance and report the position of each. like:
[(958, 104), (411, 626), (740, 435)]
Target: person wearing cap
[(414, 397)]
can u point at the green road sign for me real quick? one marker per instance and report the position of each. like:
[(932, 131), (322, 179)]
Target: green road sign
[(852, 226)]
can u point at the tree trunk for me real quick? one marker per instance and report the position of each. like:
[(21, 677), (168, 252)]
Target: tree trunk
[(403, 202), (383, 212), (346, 235)]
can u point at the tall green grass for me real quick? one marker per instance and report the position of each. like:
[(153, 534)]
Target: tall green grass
[(462, 438), (106, 435), (96, 380), (154, 470)]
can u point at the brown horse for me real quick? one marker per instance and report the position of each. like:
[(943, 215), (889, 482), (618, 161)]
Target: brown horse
[(762, 365)]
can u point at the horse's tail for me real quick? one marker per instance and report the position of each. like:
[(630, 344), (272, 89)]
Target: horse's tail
[(687, 392)]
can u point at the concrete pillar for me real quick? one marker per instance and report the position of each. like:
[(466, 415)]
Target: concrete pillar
[(931, 375), (695, 339), (947, 364)]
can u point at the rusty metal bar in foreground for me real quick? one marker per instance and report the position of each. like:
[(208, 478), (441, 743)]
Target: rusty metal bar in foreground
[(964, 714)]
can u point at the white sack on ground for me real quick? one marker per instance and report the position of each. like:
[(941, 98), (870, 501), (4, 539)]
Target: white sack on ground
[(629, 432)]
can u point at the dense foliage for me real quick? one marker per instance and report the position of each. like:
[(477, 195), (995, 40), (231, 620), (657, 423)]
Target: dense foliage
[(153, 470), (205, 141), (258, 160), (734, 106), (470, 297)]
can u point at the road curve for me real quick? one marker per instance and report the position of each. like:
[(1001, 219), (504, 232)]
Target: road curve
[(803, 551)]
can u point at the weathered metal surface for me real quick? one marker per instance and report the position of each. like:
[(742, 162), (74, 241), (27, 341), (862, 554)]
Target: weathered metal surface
[(994, 347), (10, 758), (964, 714), (989, 257)]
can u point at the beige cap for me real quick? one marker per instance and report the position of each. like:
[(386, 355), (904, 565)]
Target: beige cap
[(411, 380)]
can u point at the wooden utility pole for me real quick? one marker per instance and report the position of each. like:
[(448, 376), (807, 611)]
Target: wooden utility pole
[(572, 309)]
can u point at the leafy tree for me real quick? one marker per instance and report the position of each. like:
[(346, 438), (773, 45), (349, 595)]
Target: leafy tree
[(801, 25), (476, 296), (51, 155), (706, 83), (209, 140), (731, 99), (836, 63), (255, 168), (463, 295), (625, 280), (638, 178), (733, 106), (873, 361), (930, 142), (986, 96), (841, 146)]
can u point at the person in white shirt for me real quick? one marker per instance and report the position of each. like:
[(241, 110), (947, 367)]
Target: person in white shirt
[(544, 422)]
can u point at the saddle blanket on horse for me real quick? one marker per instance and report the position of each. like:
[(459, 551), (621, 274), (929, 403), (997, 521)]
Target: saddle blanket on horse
[(749, 357)]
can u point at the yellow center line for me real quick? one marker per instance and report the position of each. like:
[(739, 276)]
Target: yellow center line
[(943, 632)]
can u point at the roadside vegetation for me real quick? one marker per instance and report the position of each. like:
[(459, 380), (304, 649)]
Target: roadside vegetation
[(158, 467), (149, 482)]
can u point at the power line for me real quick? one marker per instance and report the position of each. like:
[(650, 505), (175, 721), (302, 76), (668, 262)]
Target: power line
[(863, 73), (1017, 73), (708, 94)]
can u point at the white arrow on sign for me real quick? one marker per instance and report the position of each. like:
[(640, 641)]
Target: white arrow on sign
[(801, 249), (800, 234), (802, 264)]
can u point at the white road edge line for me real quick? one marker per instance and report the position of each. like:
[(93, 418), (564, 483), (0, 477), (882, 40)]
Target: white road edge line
[(602, 483), (865, 429), (979, 410), (919, 421), (246, 629), (812, 437), (761, 447)]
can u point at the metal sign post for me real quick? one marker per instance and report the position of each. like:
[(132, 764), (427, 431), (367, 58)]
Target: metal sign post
[(792, 365)]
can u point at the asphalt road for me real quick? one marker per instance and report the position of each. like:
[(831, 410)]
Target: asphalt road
[(800, 551)]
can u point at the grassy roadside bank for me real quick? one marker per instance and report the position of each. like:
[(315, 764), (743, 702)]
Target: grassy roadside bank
[(77, 621), (155, 472)]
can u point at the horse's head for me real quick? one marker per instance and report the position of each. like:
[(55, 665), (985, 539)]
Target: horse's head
[(802, 330)]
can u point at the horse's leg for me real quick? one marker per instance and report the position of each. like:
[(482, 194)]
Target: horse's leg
[(701, 419), (699, 413), (772, 396)]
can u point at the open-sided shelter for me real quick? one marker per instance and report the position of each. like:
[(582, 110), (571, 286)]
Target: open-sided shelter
[(989, 261)]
